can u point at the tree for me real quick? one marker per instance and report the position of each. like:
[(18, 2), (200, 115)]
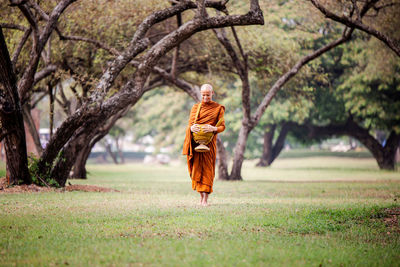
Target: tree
[(359, 96), (103, 103), (249, 120), (240, 62), (11, 121), (279, 118), (368, 96)]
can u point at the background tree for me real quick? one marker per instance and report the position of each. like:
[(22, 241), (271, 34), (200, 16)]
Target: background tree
[(102, 103), (11, 121), (358, 97)]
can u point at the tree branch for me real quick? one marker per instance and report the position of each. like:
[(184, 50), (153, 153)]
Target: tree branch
[(295, 69), (40, 98), (192, 90), (241, 67), (37, 8), (43, 73), (27, 79), (392, 44), (201, 9), (21, 44), (176, 52), (13, 26), (98, 44), (29, 17), (26, 111), (17, 2)]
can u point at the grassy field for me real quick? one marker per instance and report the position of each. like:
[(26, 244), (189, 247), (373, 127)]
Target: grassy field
[(326, 211)]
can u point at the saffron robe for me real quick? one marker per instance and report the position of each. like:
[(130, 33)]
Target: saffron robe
[(201, 165)]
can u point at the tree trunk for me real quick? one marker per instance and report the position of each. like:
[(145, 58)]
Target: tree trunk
[(11, 121), (222, 160), (239, 153), (67, 158), (32, 128), (384, 155), (119, 151), (267, 146), (51, 113), (112, 154), (79, 168), (386, 163), (280, 142)]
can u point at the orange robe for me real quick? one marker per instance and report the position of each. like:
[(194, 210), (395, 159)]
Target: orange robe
[(201, 165)]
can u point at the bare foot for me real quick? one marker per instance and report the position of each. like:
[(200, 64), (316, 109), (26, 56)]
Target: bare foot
[(201, 199)]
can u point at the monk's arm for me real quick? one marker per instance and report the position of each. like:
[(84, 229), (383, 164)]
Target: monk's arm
[(221, 128), (192, 115)]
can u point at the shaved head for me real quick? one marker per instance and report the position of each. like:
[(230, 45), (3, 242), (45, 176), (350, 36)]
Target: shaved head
[(206, 92), (206, 86)]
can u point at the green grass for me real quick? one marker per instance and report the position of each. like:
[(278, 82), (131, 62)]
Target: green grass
[(299, 212)]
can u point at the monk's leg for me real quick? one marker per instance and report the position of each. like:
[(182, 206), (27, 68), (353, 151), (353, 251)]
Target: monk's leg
[(201, 198), (205, 199)]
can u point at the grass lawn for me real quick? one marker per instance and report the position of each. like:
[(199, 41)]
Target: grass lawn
[(326, 211)]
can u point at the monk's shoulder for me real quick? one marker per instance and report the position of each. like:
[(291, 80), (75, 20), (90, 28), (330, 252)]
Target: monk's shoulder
[(194, 107), (219, 106)]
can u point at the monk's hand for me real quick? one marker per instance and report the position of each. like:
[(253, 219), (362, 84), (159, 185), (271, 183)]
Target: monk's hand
[(195, 128), (209, 128)]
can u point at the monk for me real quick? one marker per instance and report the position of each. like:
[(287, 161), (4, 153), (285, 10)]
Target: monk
[(201, 165)]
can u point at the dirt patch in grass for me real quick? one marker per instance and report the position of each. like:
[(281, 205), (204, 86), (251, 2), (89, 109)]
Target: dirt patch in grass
[(391, 219), (88, 188), (4, 188)]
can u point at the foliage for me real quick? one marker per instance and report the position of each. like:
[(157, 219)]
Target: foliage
[(372, 89), (163, 114), (38, 179)]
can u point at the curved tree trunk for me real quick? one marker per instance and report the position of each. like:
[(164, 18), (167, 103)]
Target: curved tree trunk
[(222, 160), (79, 168), (111, 153), (384, 155), (67, 159), (32, 128), (267, 146), (11, 121), (280, 142), (271, 151), (120, 151), (87, 137), (239, 153)]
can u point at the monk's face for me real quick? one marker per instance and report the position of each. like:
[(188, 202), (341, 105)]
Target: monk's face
[(206, 95)]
